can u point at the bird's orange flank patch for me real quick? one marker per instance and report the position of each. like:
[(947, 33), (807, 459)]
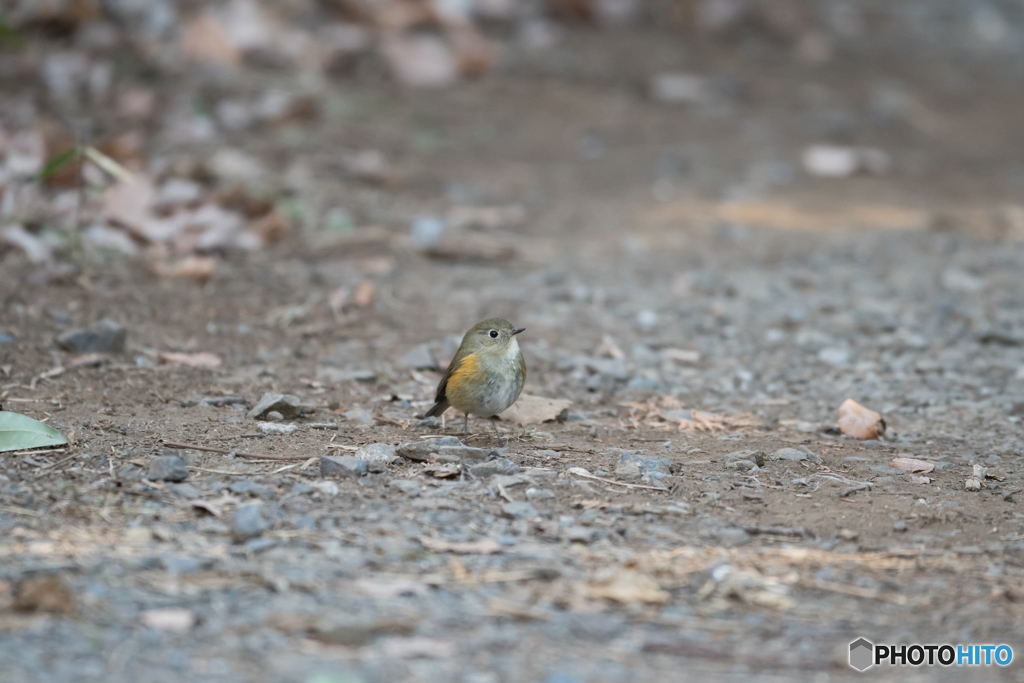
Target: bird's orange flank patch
[(466, 372)]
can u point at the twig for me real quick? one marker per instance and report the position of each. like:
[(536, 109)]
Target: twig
[(504, 494), (240, 454), (618, 483), (14, 510), (204, 469), (58, 463), (853, 489), (48, 450)]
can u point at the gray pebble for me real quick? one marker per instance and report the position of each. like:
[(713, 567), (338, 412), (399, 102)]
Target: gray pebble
[(248, 522), (789, 454), (490, 468), (581, 534), (167, 468), (409, 487), (104, 336), (287, 406), (519, 510), (899, 526), (377, 456), (342, 466), (359, 416)]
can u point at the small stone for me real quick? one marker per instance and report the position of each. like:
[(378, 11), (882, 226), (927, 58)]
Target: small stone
[(419, 451), (581, 534), (105, 336), (274, 416), (129, 473), (490, 468), (325, 488), (167, 468), (752, 456), (342, 466), (186, 491), (409, 487), (519, 510), (418, 358), (463, 453), (789, 454), (972, 484), (847, 534), (377, 456), (288, 406), (359, 416), (740, 465), (539, 494), (274, 428), (899, 526), (260, 490), (248, 522)]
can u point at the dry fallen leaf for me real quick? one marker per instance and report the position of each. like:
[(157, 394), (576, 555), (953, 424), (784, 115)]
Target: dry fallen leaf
[(445, 471), (196, 360), (171, 619), (46, 593), (364, 295), (206, 39), (859, 422), (531, 410), (485, 546), (913, 465), (628, 585), (198, 268)]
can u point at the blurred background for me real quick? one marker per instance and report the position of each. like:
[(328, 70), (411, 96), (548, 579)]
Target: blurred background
[(248, 124)]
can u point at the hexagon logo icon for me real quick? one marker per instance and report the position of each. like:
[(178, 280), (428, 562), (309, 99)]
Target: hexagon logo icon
[(862, 654)]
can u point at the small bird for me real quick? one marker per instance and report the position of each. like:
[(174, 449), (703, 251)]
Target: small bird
[(486, 375)]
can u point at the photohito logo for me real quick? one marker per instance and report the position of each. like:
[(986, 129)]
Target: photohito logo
[(864, 654)]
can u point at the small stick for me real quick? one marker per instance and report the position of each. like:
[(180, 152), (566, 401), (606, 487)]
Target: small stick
[(58, 463), (203, 469), (618, 483), (240, 454), (48, 450)]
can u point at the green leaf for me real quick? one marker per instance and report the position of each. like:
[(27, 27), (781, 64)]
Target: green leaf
[(57, 163), (19, 432)]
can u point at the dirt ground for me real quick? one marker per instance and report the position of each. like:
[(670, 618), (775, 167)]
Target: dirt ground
[(672, 261)]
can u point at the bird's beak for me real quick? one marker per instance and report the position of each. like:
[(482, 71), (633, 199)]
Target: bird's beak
[(518, 330)]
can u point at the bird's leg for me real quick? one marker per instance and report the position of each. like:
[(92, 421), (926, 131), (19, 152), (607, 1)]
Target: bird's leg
[(496, 432), (465, 431)]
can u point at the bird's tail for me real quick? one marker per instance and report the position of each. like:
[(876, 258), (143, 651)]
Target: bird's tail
[(438, 408)]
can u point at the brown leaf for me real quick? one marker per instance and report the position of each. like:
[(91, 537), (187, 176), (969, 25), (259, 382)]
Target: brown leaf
[(206, 39), (859, 422), (196, 360), (530, 410), (420, 60), (170, 619), (364, 295), (484, 546), (628, 585), (913, 465), (272, 228), (46, 593), (445, 471), (471, 247)]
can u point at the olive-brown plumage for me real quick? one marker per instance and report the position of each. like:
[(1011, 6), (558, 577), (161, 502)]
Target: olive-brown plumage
[(486, 375)]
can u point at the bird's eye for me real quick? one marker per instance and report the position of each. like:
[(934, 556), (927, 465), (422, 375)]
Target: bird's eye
[(494, 334)]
